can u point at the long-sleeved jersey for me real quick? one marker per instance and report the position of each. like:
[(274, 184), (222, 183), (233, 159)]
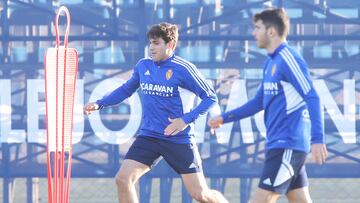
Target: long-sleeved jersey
[(292, 106), (167, 90)]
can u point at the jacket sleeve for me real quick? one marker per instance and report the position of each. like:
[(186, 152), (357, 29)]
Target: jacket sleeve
[(250, 108), (195, 82), (296, 73), (122, 92)]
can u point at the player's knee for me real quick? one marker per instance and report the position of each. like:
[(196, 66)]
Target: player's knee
[(300, 195), (122, 181), (199, 195)]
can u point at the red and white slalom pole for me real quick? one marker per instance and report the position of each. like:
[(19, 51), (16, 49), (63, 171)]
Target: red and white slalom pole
[(61, 66)]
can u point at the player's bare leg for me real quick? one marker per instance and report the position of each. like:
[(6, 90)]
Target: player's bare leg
[(195, 184), (126, 178), (299, 195), (264, 196)]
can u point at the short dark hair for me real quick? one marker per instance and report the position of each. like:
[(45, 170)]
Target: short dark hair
[(276, 18), (166, 31)]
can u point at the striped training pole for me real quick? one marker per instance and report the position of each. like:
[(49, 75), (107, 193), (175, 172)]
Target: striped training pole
[(61, 65)]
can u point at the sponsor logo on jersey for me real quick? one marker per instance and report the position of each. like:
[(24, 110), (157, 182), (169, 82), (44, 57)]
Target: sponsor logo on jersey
[(156, 89), (271, 88)]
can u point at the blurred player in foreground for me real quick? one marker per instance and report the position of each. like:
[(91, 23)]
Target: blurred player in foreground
[(292, 113)]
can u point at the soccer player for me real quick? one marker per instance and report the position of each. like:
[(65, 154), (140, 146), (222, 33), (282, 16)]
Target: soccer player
[(292, 113), (168, 85)]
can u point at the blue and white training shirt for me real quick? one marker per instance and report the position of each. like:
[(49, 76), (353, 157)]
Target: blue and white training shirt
[(167, 90), (292, 106)]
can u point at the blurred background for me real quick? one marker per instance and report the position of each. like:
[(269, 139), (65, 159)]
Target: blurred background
[(110, 37)]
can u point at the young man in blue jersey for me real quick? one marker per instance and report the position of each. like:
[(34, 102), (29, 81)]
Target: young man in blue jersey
[(168, 85), (292, 113)]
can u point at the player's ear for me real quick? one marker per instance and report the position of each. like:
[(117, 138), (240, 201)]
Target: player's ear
[(272, 31), (170, 44)]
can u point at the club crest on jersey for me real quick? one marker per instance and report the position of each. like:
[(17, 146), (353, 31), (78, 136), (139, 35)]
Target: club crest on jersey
[(169, 74), (273, 70)]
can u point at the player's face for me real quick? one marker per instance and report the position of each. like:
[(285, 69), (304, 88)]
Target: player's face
[(260, 34), (159, 50)]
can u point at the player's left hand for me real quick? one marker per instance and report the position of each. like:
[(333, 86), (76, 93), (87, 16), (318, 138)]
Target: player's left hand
[(319, 153), (176, 125)]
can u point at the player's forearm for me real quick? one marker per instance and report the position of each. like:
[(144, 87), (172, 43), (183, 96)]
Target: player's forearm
[(317, 127), (248, 109), (115, 97), (201, 109)]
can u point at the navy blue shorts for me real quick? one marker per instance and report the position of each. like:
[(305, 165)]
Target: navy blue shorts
[(284, 170), (183, 158)]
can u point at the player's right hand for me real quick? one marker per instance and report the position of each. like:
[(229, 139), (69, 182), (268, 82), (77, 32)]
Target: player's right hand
[(216, 122), (90, 107), (319, 153)]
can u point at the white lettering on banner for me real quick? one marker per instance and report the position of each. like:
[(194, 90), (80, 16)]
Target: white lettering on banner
[(344, 122), (78, 129), (35, 108), (8, 135)]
